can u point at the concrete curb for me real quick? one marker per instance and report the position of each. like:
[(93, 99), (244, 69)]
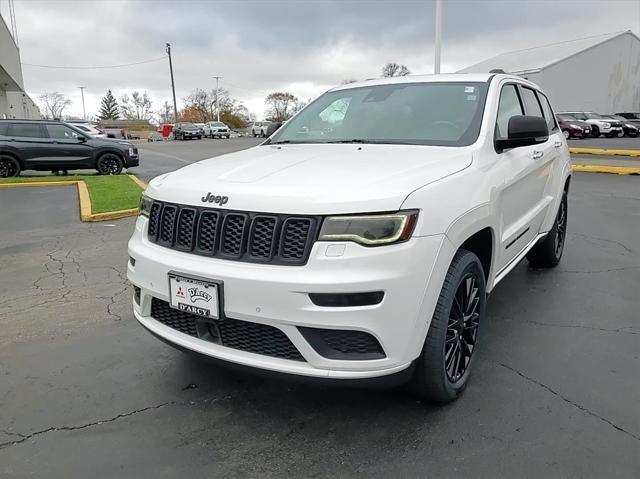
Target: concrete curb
[(84, 198), (617, 170), (604, 152)]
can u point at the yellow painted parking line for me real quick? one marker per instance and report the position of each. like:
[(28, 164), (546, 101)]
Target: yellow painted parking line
[(604, 152), (84, 199), (618, 170), (138, 181)]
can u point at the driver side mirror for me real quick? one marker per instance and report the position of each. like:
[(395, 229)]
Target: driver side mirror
[(273, 127), (82, 139), (524, 131)]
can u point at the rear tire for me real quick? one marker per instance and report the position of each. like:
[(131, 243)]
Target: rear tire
[(548, 252), (442, 369), (109, 164), (9, 166)]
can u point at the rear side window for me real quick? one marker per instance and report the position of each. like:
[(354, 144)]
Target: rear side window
[(531, 105), (548, 114), (508, 107), (25, 130), (61, 132), (3, 128)]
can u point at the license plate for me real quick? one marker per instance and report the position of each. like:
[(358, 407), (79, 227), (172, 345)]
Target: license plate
[(194, 295)]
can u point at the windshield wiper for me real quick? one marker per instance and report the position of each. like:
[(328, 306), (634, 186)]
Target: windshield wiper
[(354, 140)]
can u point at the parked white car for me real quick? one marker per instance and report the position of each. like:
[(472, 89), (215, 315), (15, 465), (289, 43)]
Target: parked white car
[(218, 129), (90, 129), (259, 128), (362, 239), (600, 125)]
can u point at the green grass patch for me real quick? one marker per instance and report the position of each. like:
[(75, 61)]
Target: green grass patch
[(108, 193)]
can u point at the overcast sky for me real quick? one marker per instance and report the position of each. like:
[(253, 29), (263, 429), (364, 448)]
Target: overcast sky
[(304, 47)]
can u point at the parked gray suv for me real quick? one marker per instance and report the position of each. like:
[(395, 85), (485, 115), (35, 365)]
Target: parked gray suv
[(56, 146)]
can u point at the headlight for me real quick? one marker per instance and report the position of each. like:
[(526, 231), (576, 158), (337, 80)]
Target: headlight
[(575, 126), (370, 230), (145, 205), (629, 125), (606, 125), (131, 152)]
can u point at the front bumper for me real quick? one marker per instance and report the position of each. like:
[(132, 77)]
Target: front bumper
[(410, 274)]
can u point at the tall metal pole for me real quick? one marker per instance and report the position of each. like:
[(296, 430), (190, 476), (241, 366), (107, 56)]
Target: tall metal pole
[(84, 112), (217, 98), (173, 87), (438, 42)]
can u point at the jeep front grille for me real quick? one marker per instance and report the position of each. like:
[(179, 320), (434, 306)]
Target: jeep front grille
[(233, 235)]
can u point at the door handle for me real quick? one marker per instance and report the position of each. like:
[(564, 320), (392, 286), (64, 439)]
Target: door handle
[(557, 144), (537, 155)]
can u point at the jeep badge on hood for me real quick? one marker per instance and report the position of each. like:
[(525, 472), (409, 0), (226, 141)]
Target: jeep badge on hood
[(220, 200)]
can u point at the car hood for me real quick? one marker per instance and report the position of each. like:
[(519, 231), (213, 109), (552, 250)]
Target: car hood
[(312, 179), (118, 143), (580, 123)]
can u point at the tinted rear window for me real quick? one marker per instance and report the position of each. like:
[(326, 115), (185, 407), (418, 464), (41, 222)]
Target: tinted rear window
[(25, 130)]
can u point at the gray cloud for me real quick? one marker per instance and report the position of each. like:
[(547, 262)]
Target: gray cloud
[(261, 46)]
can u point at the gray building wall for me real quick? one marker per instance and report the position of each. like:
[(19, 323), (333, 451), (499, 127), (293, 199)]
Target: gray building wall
[(604, 79), (14, 102)]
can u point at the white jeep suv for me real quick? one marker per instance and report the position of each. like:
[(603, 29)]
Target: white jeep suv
[(361, 239)]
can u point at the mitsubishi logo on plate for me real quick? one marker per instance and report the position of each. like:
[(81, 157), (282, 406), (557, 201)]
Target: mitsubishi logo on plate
[(217, 199), (196, 294)]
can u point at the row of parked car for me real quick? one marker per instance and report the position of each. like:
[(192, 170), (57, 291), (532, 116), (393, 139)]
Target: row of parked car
[(588, 124)]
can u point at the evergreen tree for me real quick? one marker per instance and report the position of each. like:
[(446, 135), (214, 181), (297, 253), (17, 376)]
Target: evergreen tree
[(109, 107)]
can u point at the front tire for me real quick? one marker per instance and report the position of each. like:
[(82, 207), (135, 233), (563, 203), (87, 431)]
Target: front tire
[(548, 252), (566, 133), (9, 167), (109, 164), (595, 131), (443, 368)]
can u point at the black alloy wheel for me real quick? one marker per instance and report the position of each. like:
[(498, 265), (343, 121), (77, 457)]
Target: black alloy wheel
[(109, 164), (442, 370), (561, 229), (9, 167), (462, 329)]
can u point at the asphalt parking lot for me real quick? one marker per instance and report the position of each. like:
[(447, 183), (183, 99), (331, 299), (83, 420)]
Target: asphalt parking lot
[(84, 390)]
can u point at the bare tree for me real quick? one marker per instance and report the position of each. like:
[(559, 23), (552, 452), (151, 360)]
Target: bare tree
[(165, 113), (54, 104), (395, 70), (281, 106), (136, 107)]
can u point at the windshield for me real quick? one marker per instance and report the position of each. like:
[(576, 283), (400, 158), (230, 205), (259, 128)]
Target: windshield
[(188, 126), (594, 116), (218, 123), (438, 113)]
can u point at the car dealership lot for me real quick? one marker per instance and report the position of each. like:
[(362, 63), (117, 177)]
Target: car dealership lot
[(85, 390)]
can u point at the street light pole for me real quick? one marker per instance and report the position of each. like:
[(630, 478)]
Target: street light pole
[(173, 87), (217, 98), (438, 41), (84, 113)]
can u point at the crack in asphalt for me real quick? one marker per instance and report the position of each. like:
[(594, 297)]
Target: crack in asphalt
[(26, 437), (589, 237), (624, 330), (571, 402), (595, 271)]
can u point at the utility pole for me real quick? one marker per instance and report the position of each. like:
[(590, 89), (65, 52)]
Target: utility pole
[(217, 99), (84, 113), (173, 87), (438, 42)]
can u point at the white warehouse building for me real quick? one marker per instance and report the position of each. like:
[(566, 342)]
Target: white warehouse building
[(600, 74), (14, 101)]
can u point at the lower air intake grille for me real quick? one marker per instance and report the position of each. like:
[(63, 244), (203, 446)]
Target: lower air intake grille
[(232, 333), (183, 322), (343, 344)]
